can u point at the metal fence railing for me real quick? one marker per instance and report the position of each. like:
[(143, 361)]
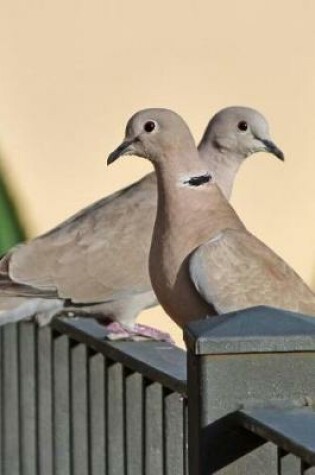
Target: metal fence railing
[(241, 362), (291, 428), (73, 403)]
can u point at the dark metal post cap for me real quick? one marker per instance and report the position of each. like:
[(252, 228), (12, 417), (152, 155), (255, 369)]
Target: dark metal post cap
[(252, 330)]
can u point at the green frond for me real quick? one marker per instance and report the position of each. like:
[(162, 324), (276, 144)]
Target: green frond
[(11, 228)]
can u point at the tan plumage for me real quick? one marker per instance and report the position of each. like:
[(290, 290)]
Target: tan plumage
[(99, 257), (81, 260), (246, 260), (203, 261), (88, 259)]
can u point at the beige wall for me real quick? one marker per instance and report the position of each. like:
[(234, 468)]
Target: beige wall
[(72, 72)]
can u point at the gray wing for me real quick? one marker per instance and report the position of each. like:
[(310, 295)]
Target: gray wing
[(235, 270), (99, 254)]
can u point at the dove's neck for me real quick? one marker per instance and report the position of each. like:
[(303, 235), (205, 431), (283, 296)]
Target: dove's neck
[(223, 164), (190, 205), (188, 215), (185, 188)]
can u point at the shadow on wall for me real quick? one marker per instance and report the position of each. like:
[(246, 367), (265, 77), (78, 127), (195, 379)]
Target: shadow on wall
[(11, 228)]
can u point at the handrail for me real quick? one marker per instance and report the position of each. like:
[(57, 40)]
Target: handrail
[(292, 429), (73, 402), (158, 361)]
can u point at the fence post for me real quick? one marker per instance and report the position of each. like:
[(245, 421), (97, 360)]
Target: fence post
[(256, 356)]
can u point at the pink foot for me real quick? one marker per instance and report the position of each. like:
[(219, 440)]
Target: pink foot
[(116, 331), (152, 333), (137, 333)]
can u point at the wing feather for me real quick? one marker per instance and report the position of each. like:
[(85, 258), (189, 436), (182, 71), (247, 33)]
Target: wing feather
[(235, 270)]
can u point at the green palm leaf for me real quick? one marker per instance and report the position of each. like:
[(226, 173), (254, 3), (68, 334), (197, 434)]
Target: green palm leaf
[(11, 229)]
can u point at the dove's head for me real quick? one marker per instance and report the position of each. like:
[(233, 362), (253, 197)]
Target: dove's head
[(239, 132), (155, 134)]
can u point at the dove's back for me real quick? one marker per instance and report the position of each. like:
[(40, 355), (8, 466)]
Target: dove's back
[(98, 253)]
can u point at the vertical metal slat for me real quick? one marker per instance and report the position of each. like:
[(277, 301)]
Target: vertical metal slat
[(306, 469), (79, 410), (28, 402), (173, 433), (97, 414), (288, 464), (61, 401), (186, 437), (45, 401), (134, 422), (154, 429), (115, 419), (10, 393)]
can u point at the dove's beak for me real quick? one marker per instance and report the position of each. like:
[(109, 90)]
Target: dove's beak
[(125, 148), (270, 147)]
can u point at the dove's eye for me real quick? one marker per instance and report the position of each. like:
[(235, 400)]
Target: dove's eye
[(242, 126), (149, 126)]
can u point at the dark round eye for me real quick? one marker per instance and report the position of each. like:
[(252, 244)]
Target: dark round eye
[(242, 125), (149, 126)]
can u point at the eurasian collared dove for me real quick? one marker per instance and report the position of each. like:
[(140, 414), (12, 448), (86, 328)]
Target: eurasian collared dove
[(203, 261), (97, 261)]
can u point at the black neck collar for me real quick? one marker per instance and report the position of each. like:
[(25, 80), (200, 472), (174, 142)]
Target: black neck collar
[(198, 180)]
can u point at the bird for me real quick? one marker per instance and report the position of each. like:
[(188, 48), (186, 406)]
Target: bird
[(203, 261), (96, 262)]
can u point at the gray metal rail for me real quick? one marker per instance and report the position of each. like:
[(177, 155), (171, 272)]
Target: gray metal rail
[(291, 429), (73, 403), (249, 360)]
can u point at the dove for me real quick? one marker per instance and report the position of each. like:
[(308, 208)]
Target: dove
[(96, 262), (203, 261)]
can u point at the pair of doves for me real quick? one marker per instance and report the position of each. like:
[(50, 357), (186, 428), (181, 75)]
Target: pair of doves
[(202, 261)]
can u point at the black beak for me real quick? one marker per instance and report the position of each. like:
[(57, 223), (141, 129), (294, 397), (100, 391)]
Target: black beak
[(272, 148), (123, 149)]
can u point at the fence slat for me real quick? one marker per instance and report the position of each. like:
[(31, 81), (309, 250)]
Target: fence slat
[(61, 387), (288, 464), (79, 410), (306, 469), (115, 419), (134, 422), (154, 429), (45, 402), (158, 361), (173, 433), (97, 419), (28, 400), (186, 437), (11, 445)]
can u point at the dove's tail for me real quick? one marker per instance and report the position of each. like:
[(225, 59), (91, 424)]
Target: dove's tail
[(14, 309)]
